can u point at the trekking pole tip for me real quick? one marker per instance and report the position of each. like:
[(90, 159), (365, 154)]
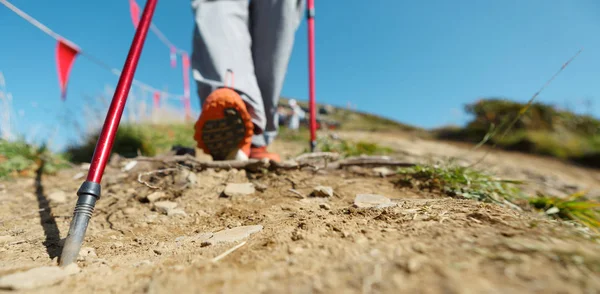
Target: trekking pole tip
[(88, 193)]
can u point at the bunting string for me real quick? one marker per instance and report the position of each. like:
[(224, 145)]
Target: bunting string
[(68, 50)]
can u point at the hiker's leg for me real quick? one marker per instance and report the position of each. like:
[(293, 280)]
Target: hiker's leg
[(273, 24), (221, 41)]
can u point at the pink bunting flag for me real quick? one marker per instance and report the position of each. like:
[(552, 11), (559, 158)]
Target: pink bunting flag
[(156, 100), (173, 57), (65, 56), (135, 12), (185, 63)]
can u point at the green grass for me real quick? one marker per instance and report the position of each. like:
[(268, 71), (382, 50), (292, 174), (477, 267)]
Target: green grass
[(468, 183), (460, 182), (131, 140), (350, 148), (574, 207), (537, 128), (17, 158)]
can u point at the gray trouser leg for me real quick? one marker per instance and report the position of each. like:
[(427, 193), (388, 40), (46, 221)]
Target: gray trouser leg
[(273, 24), (222, 41), (252, 38)]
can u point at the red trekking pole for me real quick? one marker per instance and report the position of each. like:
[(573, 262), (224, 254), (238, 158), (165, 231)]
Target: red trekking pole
[(89, 192), (310, 19)]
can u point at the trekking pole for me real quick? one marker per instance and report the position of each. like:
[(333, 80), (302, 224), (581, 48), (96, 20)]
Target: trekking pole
[(310, 19), (89, 192)]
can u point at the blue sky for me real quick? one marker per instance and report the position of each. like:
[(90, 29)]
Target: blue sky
[(417, 62)]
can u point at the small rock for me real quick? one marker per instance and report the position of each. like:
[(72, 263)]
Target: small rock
[(205, 243), (238, 189), (129, 211), (155, 196), (72, 269), (85, 166), (322, 191), (235, 234), (130, 165), (86, 253), (383, 171), (164, 206), (325, 206), (260, 187), (192, 178), (143, 262), (57, 197), (116, 245), (157, 251), (372, 200), (201, 237), (176, 212), (78, 176), (6, 239), (35, 278)]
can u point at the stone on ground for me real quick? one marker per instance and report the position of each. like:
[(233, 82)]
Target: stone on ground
[(57, 197), (176, 212), (37, 277), (372, 200), (164, 206), (235, 234), (322, 191), (155, 196), (238, 189), (383, 171)]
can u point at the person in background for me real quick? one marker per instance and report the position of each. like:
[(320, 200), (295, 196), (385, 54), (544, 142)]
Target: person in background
[(297, 114), (245, 46)]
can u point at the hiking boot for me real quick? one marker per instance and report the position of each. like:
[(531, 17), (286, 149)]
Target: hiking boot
[(261, 153), (224, 129)]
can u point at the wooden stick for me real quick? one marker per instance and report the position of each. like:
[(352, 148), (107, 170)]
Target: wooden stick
[(229, 251)]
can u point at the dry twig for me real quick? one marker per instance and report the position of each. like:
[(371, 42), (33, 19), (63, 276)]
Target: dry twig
[(229, 251)]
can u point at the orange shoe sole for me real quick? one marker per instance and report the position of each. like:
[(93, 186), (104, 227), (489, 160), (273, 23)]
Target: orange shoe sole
[(224, 126)]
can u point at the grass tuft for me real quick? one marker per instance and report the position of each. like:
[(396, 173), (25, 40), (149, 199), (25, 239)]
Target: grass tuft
[(17, 158), (574, 207), (456, 181)]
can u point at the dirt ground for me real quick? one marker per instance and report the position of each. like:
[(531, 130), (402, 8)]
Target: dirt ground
[(428, 243)]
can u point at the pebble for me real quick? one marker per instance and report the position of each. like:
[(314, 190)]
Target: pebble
[(143, 262), (192, 178), (372, 200), (37, 277), (153, 197), (325, 206), (238, 189), (176, 212), (86, 253), (57, 197), (260, 187), (201, 237), (234, 234), (129, 211), (130, 165), (322, 191), (383, 171), (78, 176), (164, 206), (6, 239), (116, 245)]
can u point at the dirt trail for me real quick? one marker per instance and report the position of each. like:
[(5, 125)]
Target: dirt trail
[(427, 243)]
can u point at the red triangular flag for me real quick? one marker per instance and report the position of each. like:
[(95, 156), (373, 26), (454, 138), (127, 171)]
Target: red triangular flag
[(65, 55), (135, 12), (156, 99)]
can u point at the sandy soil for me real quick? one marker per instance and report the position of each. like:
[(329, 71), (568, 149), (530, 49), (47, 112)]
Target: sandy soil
[(428, 243)]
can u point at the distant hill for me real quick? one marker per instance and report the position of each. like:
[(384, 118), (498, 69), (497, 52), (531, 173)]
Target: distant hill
[(542, 129)]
